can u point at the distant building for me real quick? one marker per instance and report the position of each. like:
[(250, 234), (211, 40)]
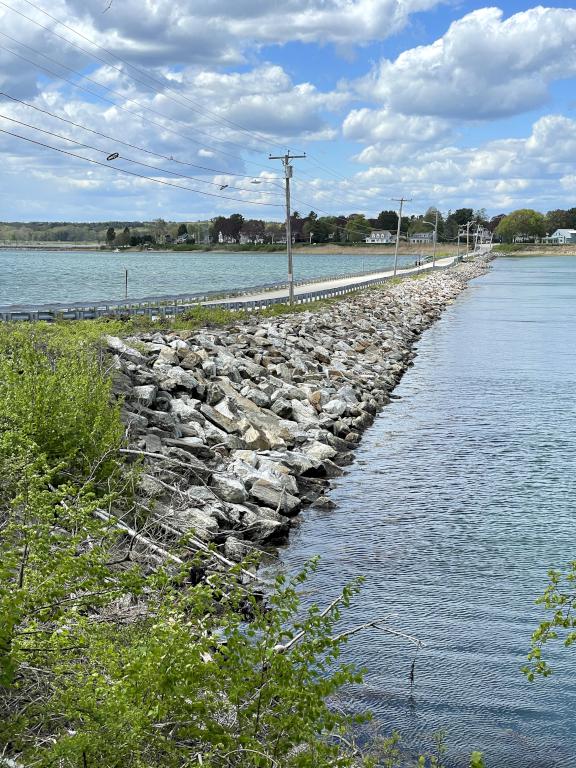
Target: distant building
[(381, 237), (252, 239), (226, 239), (561, 237), (182, 239), (422, 237)]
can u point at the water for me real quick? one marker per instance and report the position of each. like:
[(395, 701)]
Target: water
[(41, 277), (460, 499)]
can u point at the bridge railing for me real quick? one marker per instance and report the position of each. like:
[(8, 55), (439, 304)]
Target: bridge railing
[(172, 306)]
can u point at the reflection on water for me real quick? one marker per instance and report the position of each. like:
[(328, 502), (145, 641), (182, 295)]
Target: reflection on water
[(461, 498), (39, 277)]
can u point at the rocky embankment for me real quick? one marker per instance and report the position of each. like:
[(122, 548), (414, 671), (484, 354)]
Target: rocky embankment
[(240, 428)]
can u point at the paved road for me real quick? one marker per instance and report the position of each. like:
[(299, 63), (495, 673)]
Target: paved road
[(328, 284)]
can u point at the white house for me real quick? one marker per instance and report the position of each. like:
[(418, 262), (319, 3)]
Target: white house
[(228, 239), (251, 239), (381, 237), (561, 237), (422, 237)]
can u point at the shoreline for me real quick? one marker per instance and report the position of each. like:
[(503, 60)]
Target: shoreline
[(241, 428), (323, 249)]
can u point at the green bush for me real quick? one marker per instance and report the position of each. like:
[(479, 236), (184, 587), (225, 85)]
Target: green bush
[(54, 394)]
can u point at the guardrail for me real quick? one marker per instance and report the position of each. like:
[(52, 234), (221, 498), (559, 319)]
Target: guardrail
[(170, 306)]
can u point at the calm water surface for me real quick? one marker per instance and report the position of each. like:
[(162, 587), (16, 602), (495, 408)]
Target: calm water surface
[(40, 277), (461, 497)]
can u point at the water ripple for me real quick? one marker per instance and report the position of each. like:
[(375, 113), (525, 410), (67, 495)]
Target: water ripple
[(460, 500)]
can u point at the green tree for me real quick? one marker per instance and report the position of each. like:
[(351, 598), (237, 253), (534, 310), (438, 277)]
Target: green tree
[(182, 230), (524, 222), (559, 600), (386, 220), (110, 235), (124, 237), (357, 228)]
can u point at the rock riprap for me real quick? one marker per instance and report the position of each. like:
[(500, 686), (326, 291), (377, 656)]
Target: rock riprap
[(239, 428)]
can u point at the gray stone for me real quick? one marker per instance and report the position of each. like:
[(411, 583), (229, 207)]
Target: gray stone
[(335, 408), (255, 439), (124, 351), (228, 425), (229, 488), (135, 422), (185, 410), (258, 397), (274, 496), (153, 443), (282, 408), (193, 520), (235, 549), (319, 451), (323, 502), (264, 530), (167, 356)]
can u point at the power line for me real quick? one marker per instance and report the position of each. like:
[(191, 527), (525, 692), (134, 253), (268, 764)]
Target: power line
[(138, 175), (164, 88), (199, 107), (118, 106), (122, 157), (170, 158)]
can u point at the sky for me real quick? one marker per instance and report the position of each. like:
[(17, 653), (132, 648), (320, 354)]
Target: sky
[(143, 109)]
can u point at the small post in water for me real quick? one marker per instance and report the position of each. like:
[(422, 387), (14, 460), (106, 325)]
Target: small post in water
[(125, 282)]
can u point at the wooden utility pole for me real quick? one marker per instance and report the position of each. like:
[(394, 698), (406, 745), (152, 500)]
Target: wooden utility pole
[(288, 175), (435, 240), (400, 200)]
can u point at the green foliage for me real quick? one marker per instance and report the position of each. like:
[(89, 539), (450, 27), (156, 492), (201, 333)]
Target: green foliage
[(53, 395), (559, 600), (524, 222), (103, 663)]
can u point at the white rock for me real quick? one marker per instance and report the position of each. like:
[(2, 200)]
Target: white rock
[(320, 451), (335, 407), (145, 394), (229, 488)]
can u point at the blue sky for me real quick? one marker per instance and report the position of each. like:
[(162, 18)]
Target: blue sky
[(452, 104)]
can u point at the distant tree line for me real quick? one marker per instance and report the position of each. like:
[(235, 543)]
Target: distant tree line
[(309, 228), (526, 224)]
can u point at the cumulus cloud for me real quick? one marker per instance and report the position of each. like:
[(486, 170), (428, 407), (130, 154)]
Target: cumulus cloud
[(484, 67), (172, 23), (503, 173)]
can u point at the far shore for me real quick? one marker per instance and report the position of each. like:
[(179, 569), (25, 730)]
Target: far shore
[(406, 249)]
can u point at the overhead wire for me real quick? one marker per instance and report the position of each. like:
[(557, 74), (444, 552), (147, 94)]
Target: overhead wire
[(118, 94), (199, 107), (123, 157), (170, 158), (117, 141), (133, 173), (140, 106)]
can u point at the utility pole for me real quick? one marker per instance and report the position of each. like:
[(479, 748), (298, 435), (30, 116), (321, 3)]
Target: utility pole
[(288, 175), (468, 225), (400, 200), (435, 240)]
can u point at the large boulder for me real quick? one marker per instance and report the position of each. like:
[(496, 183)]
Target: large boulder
[(229, 488), (275, 496)]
